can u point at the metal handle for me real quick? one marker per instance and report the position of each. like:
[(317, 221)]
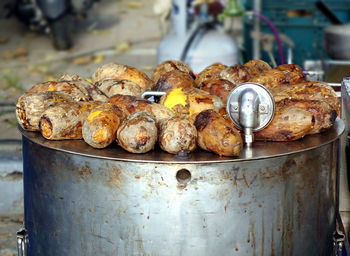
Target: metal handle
[(340, 241), (338, 244), (22, 242), (248, 113), (147, 94)]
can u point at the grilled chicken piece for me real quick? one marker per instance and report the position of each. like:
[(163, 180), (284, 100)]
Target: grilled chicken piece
[(168, 66), (281, 75), (210, 73), (120, 72), (174, 79), (63, 120), (188, 102), (218, 135), (111, 87), (221, 88), (130, 104), (100, 127), (308, 91), (289, 123), (138, 133), (30, 107), (177, 135), (257, 67)]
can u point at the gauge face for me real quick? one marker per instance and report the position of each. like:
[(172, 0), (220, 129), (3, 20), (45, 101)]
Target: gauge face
[(251, 104)]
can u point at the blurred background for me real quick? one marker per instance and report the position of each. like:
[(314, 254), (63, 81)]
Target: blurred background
[(40, 40)]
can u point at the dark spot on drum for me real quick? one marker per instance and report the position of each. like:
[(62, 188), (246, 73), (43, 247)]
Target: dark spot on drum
[(85, 172), (114, 177)]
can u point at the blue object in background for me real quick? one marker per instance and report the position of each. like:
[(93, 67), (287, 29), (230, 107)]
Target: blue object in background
[(301, 21)]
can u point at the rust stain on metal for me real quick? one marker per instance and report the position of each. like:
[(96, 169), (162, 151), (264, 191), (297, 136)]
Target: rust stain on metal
[(251, 236), (244, 203), (281, 174), (240, 177), (300, 207), (262, 233), (162, 184), (273, 253), (85, 172), (114, 177)]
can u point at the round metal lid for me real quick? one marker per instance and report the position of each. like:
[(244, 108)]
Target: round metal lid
[(259, 150)]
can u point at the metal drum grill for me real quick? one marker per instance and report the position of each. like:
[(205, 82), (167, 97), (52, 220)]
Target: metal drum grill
[(274, 199)]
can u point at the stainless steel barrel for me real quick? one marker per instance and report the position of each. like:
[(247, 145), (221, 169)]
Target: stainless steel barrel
[(274, 199)]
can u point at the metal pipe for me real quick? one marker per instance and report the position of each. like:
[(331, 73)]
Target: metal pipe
[(275, 32), (248, 113), (337, 62), (152, 93), (257, 30)]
